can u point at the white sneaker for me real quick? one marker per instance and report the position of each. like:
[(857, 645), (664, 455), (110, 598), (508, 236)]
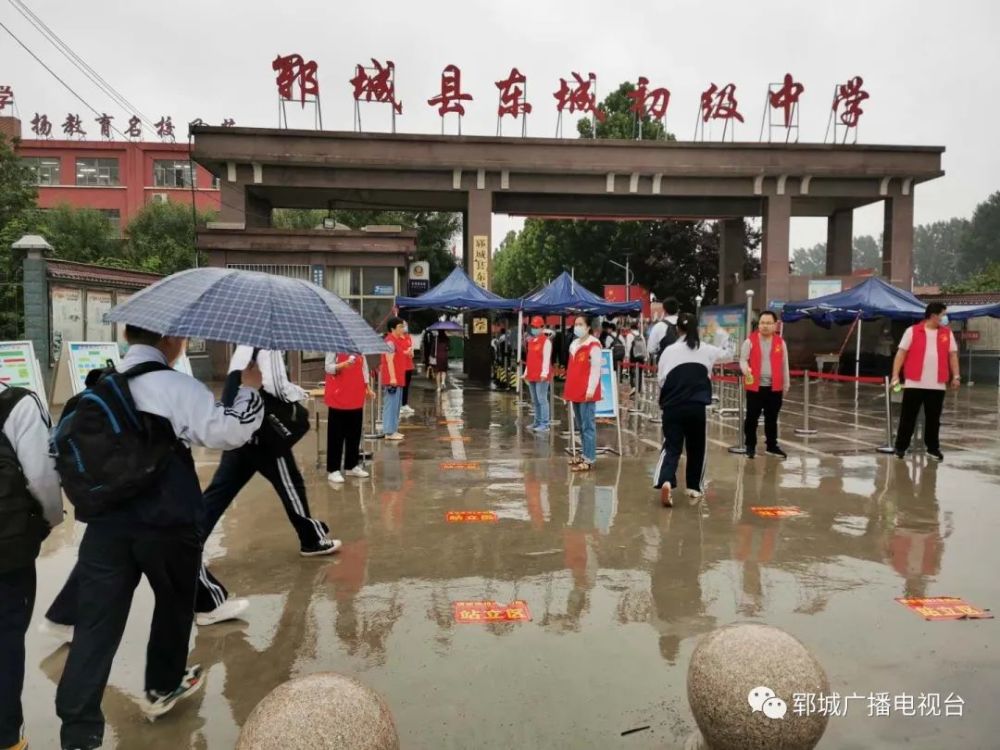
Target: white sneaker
[(156, 704), (230, 609), (694, 493), (408, 410), (357, 471), (62, 633), (335, 477), (395, 436)]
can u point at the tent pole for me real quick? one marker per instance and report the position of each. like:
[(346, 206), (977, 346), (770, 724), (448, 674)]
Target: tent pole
[(520, 333), (857, 362)]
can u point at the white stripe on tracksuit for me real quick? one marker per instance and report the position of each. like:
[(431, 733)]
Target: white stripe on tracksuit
[(217, 593), (286, 480)]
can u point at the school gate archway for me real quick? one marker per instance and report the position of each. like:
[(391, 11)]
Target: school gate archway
[(261, 169)]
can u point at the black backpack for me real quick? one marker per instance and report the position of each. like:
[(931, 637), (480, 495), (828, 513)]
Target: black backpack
[(107, 452), (617, 349), (22, 522), (668, 338)]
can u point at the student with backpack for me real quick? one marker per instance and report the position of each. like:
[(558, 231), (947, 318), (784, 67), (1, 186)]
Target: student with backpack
[(664, 331), (122, 450), (30, 506)]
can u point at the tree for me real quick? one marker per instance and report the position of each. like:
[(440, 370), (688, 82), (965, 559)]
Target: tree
[(619, 122), (936, 252), (17, 203), (84, 235), (867, 253), (161, 238), (980, 244), (298, 218), (987, 280), (810, 261)]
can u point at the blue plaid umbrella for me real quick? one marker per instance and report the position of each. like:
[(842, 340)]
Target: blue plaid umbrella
[(255, 309)]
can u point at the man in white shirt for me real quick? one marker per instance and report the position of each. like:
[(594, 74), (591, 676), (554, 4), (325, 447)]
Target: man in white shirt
[(664, 331), (927, 352)]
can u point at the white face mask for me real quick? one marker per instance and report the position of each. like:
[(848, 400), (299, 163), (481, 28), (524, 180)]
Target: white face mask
[(580, 331), (944, 319)]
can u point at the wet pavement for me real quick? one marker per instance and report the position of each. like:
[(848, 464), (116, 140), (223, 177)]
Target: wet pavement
[(619, 589)]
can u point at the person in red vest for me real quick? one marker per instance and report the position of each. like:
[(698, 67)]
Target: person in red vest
[(764, 361), (926, 353), (392, 375), (583, 390), (538, 372), (346, 389)]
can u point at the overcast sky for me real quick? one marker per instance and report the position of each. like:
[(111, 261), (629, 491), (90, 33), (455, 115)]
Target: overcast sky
[(930, 67)]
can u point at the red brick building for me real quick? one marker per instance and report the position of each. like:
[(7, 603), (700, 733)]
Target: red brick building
[(117, 178)]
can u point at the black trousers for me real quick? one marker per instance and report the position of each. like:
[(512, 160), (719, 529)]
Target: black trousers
[(236, 468), (17, 600), (933, 402), (406, 388), (684, 429), (343, 438), (112, 559), (769, 402)]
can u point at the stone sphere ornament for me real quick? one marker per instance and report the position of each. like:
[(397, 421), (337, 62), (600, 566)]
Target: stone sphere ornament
[(323, 711), (740, 685)]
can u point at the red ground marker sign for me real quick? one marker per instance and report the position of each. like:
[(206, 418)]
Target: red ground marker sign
[(776, 511), (946, 608), (459, 465), (479, 612), (470, 516)]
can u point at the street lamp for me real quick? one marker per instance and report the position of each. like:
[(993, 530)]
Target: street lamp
[(628, 276)]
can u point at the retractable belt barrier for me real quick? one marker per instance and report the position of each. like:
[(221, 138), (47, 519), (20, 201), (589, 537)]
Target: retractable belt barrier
[(810, 375)]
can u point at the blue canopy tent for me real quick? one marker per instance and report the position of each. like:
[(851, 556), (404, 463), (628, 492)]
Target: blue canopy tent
[(564, 295), (873, 298), (455, 294)]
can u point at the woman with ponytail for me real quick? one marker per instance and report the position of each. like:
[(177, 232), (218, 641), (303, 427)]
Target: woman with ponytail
[(685, 392)]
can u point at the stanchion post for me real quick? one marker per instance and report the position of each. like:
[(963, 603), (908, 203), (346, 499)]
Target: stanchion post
[(888, 447), (741, 447), (804, 430)]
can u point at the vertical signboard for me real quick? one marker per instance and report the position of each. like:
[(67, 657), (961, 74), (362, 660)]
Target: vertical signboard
[(481, 260)]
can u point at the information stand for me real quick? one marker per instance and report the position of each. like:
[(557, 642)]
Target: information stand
[(19, 367), (76, 361)]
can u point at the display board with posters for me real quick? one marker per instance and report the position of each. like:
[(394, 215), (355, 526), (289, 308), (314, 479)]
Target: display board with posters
[(732, 319), (822, 287), (19, 367), (67, 317), (98, 305)]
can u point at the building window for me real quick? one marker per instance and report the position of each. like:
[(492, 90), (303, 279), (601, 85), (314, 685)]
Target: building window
[(46, 169), (99, 172), (370, 290), (114, 217), (172, 174)]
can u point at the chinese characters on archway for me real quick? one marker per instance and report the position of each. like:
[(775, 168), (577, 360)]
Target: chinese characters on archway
[(297, 80)]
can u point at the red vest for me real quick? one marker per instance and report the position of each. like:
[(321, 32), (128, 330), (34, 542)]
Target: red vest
[(399, 361), (346, 390), (407, 344), (913, 365), (578, 375), (536, 362), (752, 380)]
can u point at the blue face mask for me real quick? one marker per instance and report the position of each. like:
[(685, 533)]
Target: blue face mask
[(944, 319), (535, 331)]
